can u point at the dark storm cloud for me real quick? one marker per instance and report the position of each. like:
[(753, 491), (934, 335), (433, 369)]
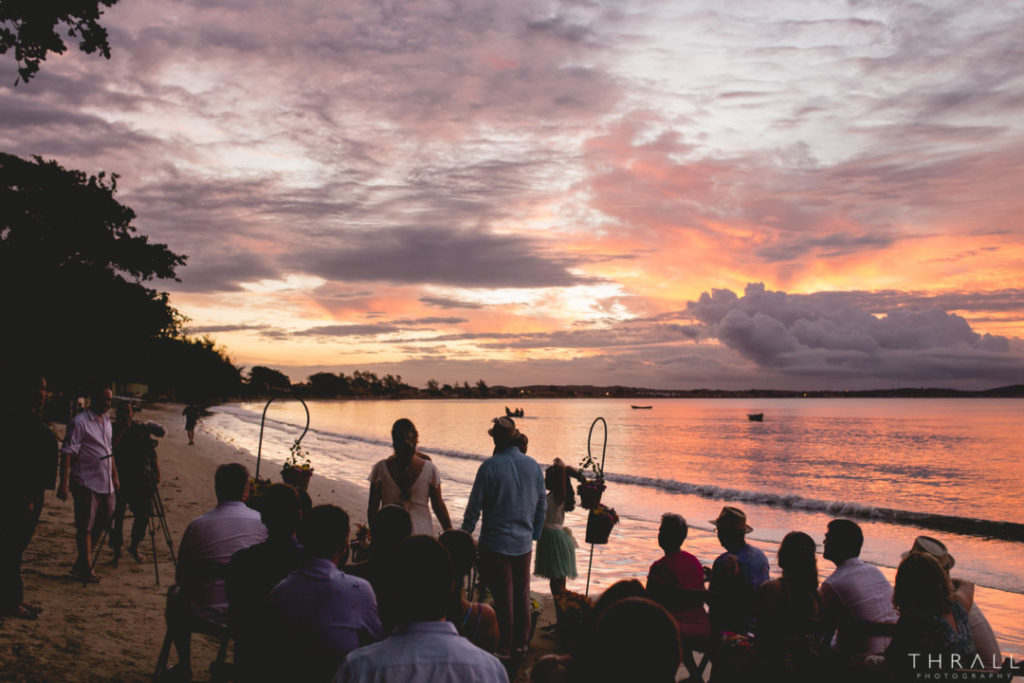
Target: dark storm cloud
[(425, 255), (430, 321), (243, 327), (348, 330), (445, 302), (884, 301), (820, 335)]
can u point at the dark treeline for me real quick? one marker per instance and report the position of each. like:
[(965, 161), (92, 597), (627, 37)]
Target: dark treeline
[(75, 301)]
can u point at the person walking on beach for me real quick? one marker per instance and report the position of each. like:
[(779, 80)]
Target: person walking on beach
[(29, 468), (191, 413), (408, 479), (854, 595), (735, 575), (139, 473), (509, 491), (89, 473)]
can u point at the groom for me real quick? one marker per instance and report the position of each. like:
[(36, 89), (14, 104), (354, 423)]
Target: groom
[(509, 489)]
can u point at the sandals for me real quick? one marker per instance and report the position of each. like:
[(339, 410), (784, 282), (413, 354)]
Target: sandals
[(137, 555)]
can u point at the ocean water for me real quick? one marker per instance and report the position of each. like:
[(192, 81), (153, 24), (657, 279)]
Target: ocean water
[(949, 468)]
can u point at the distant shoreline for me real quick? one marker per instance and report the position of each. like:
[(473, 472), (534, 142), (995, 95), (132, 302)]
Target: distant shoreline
[(525, 393)]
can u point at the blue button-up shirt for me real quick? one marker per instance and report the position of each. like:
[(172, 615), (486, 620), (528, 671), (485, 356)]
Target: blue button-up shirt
[(509, 489), (422, 651)]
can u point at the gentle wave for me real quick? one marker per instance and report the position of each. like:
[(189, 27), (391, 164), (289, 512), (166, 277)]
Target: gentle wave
[(1007, 531)]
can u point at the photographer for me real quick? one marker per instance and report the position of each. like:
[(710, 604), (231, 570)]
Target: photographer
[(139, 472)]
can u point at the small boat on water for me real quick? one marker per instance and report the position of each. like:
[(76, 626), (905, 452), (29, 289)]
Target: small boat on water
[(641, 407), (755, 417), (518, 412)]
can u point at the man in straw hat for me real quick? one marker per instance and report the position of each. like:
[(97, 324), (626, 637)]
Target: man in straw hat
[(509, 490), (735, 575), (857, 597), (984, 639)]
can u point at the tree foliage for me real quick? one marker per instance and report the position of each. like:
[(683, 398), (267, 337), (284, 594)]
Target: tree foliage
[(263, 379), (32, 28), (72, 270)]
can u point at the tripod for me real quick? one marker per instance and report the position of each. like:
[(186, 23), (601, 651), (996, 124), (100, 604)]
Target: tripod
[(156, 517)]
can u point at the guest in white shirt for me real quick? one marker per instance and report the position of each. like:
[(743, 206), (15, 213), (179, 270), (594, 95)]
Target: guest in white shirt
[(206, 548), (424, 647), (87, 470), (857, 597)]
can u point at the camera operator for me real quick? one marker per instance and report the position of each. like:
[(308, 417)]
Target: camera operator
[(139, 473)]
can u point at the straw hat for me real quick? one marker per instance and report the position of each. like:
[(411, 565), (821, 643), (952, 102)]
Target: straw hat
[(506, 425), (732, 519), (935, 548)]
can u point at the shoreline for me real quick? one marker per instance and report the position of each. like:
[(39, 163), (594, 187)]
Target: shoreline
[(113, 630)]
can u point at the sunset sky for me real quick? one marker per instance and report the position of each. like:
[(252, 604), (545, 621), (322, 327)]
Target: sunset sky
[(667, 194)]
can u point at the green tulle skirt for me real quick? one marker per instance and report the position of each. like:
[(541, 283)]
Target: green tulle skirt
[(555, 557)]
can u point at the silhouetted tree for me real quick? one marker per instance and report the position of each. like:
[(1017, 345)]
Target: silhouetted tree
[(72, 268), (263, 379), (482, 388), (192, 370), (30, 27), (326, 384)]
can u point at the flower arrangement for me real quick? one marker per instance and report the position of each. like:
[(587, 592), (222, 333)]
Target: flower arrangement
[(297, 469), (361, 543), (590, 490), (606, 512), (572, 605), (298, 458), (257, 487), (572, 609), (600, 522)]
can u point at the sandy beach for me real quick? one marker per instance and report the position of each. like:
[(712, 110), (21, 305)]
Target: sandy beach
[(112, 631)]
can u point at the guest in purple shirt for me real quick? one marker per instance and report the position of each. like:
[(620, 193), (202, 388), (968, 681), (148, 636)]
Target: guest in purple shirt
[(321, 613)]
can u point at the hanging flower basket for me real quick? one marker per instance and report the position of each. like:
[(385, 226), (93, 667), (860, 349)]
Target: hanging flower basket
[(297, 469), (590, 493), (296, 476), (600, 523)]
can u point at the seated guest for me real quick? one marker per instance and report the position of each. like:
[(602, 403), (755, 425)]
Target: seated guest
[(735, 574), (319, 613), (389, 528), (855, 596), (255, 570), (984, 639), (932, 634), (676, 582), (207, 545), (635, 640), (475, 621), (788, 628), (424, 647)]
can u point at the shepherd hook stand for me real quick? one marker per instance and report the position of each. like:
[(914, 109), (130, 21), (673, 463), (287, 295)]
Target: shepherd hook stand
[(259, 448), (604, 447)]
